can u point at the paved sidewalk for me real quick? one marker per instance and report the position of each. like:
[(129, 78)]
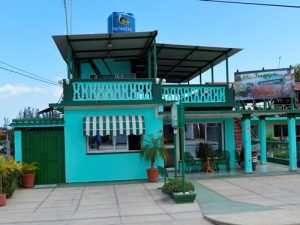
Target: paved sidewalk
[(251, 200), (138, 203)]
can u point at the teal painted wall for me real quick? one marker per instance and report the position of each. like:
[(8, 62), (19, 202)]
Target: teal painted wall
[(81, 167), (115, 67), (18, 145)]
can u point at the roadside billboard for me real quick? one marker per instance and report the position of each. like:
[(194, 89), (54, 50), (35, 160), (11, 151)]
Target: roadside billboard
[(264, 84)]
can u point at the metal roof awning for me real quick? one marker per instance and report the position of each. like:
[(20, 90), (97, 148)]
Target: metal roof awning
[(103, 46), (175, 63), (113, 125), (180, 63)]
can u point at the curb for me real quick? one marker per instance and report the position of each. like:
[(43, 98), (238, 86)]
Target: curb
[(217, 222)]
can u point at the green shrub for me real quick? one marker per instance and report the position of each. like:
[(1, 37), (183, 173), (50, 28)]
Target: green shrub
[(29, 168), (176, 186), (10, 184), (269, 137), (10, 175), (281, 154)]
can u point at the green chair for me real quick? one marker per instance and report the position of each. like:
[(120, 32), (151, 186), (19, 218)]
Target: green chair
[(191, 164), (164, 173), (221, 157)]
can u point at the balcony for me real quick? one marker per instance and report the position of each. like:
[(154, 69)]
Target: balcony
[(145, 91)]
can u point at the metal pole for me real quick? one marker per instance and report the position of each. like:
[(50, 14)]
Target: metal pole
[(149, 64), (181, 125), (175, 151), (200, 78), (154, 59), (212, 73), (227, 70), (7, 144)]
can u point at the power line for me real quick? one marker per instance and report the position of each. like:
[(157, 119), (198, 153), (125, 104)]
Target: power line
[(252, 3), (66, 15), (25, 75), (71, 16), (14, 67)]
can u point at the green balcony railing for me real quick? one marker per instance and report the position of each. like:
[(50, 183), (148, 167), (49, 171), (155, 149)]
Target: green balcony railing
[(112, 90), (194, 93)]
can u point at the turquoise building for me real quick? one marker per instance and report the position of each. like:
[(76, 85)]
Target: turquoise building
[(120, 88)]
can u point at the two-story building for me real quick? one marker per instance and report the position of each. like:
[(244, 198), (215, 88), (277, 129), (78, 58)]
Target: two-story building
[(120, 88)]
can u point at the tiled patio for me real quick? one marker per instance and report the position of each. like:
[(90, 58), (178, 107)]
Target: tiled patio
[(261, 170), (138, 203)]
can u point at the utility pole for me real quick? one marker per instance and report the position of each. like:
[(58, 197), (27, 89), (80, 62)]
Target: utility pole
[(7, 141), (279, 59)]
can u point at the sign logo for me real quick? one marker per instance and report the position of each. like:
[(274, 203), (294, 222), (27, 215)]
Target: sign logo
[(123, 20)]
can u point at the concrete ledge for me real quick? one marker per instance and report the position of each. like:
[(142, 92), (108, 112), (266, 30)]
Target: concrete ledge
[(217, 222)]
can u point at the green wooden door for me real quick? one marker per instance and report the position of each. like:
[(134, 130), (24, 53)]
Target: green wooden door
[(45, 146)]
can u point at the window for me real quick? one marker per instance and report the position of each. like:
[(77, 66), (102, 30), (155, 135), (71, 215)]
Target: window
[(280, 131), (109, 143), (116, 133)]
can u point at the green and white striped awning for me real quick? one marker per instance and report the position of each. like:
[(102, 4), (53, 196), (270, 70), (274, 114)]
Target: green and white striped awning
[(113, 125)]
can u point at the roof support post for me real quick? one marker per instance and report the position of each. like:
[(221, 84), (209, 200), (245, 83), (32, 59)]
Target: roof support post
[(212, 73), (292, 142), (69, 60), (200, 77), (262, 139), (154, 59), (246, 130), (149, 64), (227, 70)]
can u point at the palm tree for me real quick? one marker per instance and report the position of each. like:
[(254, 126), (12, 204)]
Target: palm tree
[(154, 148)]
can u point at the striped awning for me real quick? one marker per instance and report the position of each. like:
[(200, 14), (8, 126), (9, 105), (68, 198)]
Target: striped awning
[(113, 125)]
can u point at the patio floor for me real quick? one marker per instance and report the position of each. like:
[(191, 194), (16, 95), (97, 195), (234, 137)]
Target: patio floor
[(134, 203), (261, 170)]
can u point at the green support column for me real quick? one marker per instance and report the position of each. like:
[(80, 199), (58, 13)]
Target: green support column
[(182, 137), (292, 143), (247, 143), (212, 73), (262, 140), (149, 64), (227, 70), (200, 77), (154, 60), (229, 140), (69, 61), (175, 151)]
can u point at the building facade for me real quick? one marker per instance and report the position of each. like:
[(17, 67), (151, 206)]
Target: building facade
[(119, 90)]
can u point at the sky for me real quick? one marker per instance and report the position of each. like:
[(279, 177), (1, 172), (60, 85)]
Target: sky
[(264, 33)]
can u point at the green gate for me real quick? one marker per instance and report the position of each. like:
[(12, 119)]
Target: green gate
[(45, 146)]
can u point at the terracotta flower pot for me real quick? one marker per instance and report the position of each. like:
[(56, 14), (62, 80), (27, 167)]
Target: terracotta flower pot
[(2, 200), (27, 180), (152, 174)]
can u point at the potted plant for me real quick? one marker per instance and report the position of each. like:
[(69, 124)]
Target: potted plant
[(152, 149), (11, 177), (28, 174), (205, 152), (2, 171), (175, 190)]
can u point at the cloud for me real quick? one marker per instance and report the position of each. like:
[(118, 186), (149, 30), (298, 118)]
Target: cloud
[(12, 90)]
